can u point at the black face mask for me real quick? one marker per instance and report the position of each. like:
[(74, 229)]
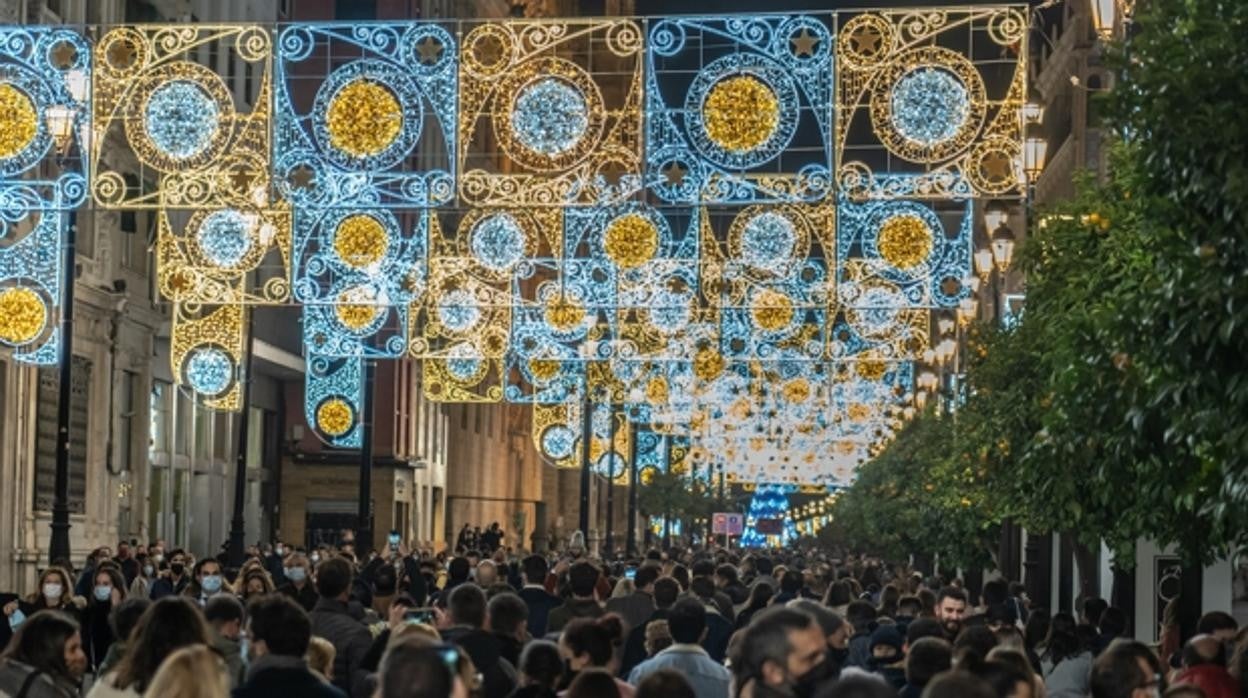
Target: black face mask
[(820, 675), (177, 569), (837, 657)]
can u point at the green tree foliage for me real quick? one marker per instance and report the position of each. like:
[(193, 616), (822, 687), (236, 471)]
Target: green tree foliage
[(1118, 407)]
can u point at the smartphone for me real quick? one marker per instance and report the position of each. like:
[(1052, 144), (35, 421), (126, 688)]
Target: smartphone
[(419, 616), (630, 573), (394, 540), (450, 656)]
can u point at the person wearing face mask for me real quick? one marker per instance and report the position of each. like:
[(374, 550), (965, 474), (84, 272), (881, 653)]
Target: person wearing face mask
[(174, 581), (206, 581), (298, 584), (45, 658), (107, 593), (224, 614), (835, 630), (142, 584), (54, 593), (780, 648)]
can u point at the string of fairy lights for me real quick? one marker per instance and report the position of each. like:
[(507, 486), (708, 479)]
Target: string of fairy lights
[(726, 236)]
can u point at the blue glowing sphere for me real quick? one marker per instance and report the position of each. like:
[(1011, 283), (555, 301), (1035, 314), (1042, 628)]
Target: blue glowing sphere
[(558, 441), (224, 237), (498, 242), (209, 371), (458, 311), (181, 119), (550, 116), (930, 105), (768, 240)]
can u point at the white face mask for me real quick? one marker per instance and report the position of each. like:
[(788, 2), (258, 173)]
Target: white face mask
[(53, 590)]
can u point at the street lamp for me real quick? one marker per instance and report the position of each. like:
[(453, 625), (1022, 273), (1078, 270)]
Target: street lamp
[(983, 263), (61, 119), (1104, 17), (1035, 145), (1033, 110), (1003, 247)]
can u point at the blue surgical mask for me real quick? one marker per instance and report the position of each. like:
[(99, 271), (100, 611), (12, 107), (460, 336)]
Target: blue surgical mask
[(103, 592), (296, 574), (17, 618), (211, 583)]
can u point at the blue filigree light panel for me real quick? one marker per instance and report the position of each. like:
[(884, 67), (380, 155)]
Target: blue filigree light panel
[(739, 109), (43, 80)]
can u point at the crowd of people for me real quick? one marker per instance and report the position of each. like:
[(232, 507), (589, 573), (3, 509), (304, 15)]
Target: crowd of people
[(324, 623)]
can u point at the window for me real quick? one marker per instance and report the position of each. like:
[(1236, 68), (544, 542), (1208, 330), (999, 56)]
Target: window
[(125, 420), (158, 419), (249, 74), (84, 238), (46, 435), (355, 9)]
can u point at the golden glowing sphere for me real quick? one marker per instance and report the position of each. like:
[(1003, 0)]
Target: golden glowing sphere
[(870, 369), (22, 315), (335, 417), (564, 314), (361, 241), (772, 310), (19, 123), (858, 412), (708, 364), (656, 390), (356, 308), (740, 409), (905, 241), (631, 240), (741, 113), (543, 369), (797, 390), (757, 443), (363, 118)]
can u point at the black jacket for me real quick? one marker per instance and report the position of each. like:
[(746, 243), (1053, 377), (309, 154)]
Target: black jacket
[(486, 653), (286, 682), (540, 603), (306, 597), (351, 638)]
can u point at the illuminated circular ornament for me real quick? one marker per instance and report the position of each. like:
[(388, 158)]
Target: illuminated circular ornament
[(22, 316), (458, 311), (772, 311), (657, 390), (768, 240), (357, 309), (181, 119), (904, 241), (858, 412), (224, 237), (19, 122), (564, 314), (631, 240), (543, 369), (550, 116), (669, 312), (361, 241), (364, 118), (930, 106), (498, 242), (797, 390), (708, 363), (740, 113), (335, 417), (558, 441), (870, 369), (209, 371)]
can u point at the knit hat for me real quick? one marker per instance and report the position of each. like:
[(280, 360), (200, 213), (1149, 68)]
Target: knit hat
[(887, 635)]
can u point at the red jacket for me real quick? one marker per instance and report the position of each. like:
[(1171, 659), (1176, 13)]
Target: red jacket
[(1213, 679)]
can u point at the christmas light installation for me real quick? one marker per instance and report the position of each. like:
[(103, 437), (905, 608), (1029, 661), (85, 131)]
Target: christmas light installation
[(769, 503), (672, 216)]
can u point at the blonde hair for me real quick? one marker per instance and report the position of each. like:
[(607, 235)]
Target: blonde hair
[(191, 672), (418, 630), (321, 653)]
